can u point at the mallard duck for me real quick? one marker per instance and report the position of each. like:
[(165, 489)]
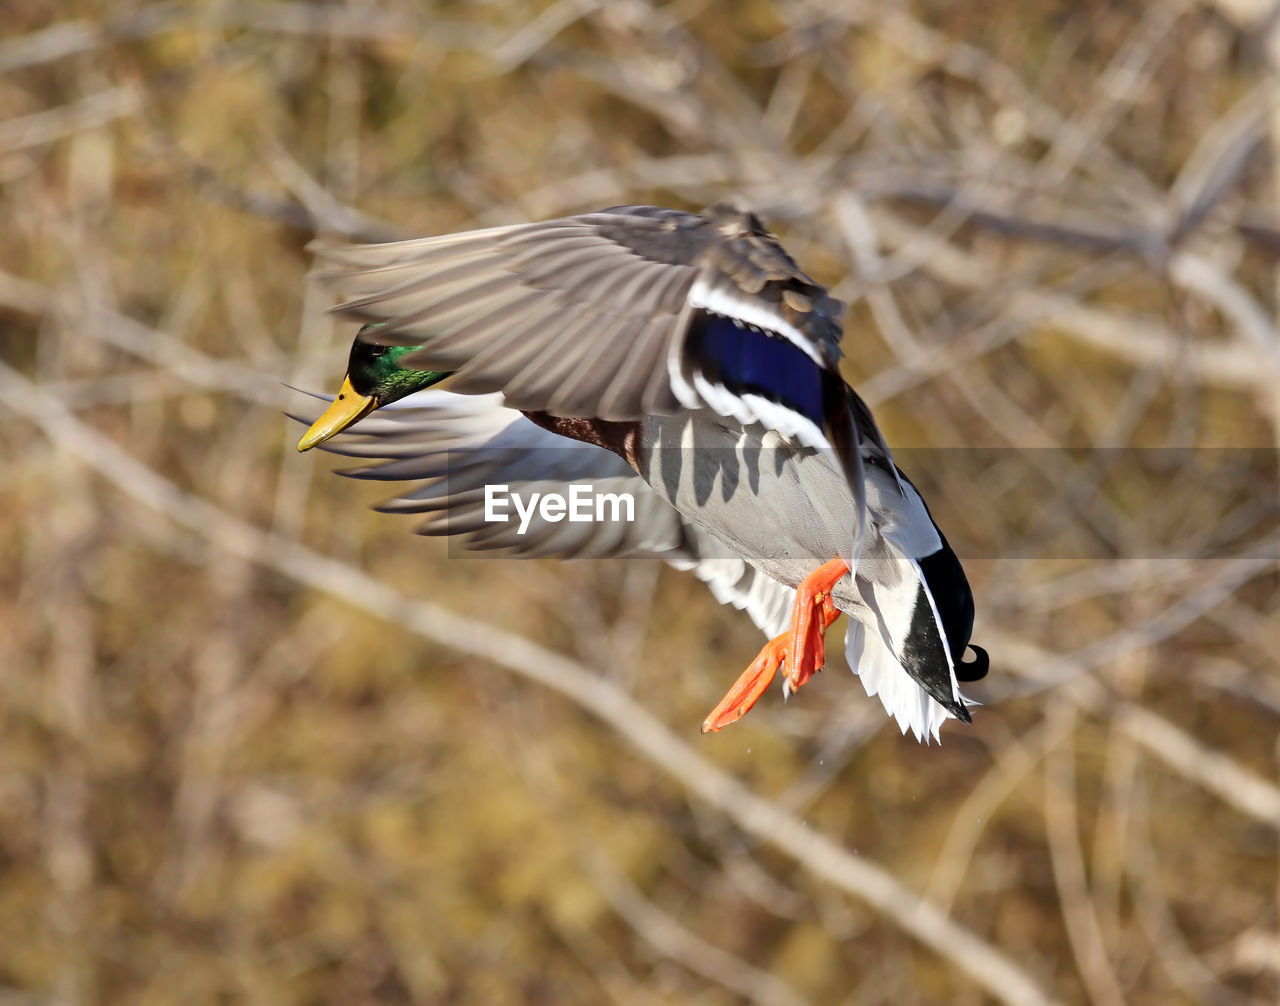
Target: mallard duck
[(683, 359)]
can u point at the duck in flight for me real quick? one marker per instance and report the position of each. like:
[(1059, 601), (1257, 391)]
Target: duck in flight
[(686, 360)]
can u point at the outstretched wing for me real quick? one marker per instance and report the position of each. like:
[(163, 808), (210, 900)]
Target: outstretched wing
[(454, 445), (591, 315)]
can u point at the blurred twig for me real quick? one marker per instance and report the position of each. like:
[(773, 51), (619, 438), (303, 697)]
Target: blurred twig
[(73, 38), (673, 940), (1065, 856), (1221, 775), (55, 123), (1214, 770), (156, 347)]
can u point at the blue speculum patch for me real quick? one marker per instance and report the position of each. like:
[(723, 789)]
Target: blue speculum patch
[(749, 361)]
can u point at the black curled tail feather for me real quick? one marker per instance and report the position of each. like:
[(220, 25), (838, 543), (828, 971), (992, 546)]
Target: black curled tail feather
[(975, 669)]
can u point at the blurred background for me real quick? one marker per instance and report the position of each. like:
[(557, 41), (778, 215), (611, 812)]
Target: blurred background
[(259, 744)]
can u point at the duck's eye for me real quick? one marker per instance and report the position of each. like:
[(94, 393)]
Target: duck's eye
[(377, 350)]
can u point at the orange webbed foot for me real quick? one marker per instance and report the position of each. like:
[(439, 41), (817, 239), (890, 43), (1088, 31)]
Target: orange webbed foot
[(813, 613), (800, 651), (751, 684)]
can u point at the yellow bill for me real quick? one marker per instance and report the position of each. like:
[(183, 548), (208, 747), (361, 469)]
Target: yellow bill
[(346, 409)]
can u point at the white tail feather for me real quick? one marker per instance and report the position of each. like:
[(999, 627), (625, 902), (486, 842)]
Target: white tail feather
[(881, 674)]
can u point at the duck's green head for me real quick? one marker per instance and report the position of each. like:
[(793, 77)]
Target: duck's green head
[(375, 377)]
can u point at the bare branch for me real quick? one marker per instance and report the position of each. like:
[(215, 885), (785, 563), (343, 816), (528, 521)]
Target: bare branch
[(1067, 860), (57, 123), (1216, 772), (670, 938)]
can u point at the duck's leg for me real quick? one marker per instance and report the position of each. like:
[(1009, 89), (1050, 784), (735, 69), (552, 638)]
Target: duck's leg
[(812, 615), (802, 648)]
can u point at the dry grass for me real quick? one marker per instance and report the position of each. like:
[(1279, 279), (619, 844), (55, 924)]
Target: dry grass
[(257, 744)]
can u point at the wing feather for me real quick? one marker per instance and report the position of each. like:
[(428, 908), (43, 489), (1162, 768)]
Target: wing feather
[(492, 304), (453, 445)]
